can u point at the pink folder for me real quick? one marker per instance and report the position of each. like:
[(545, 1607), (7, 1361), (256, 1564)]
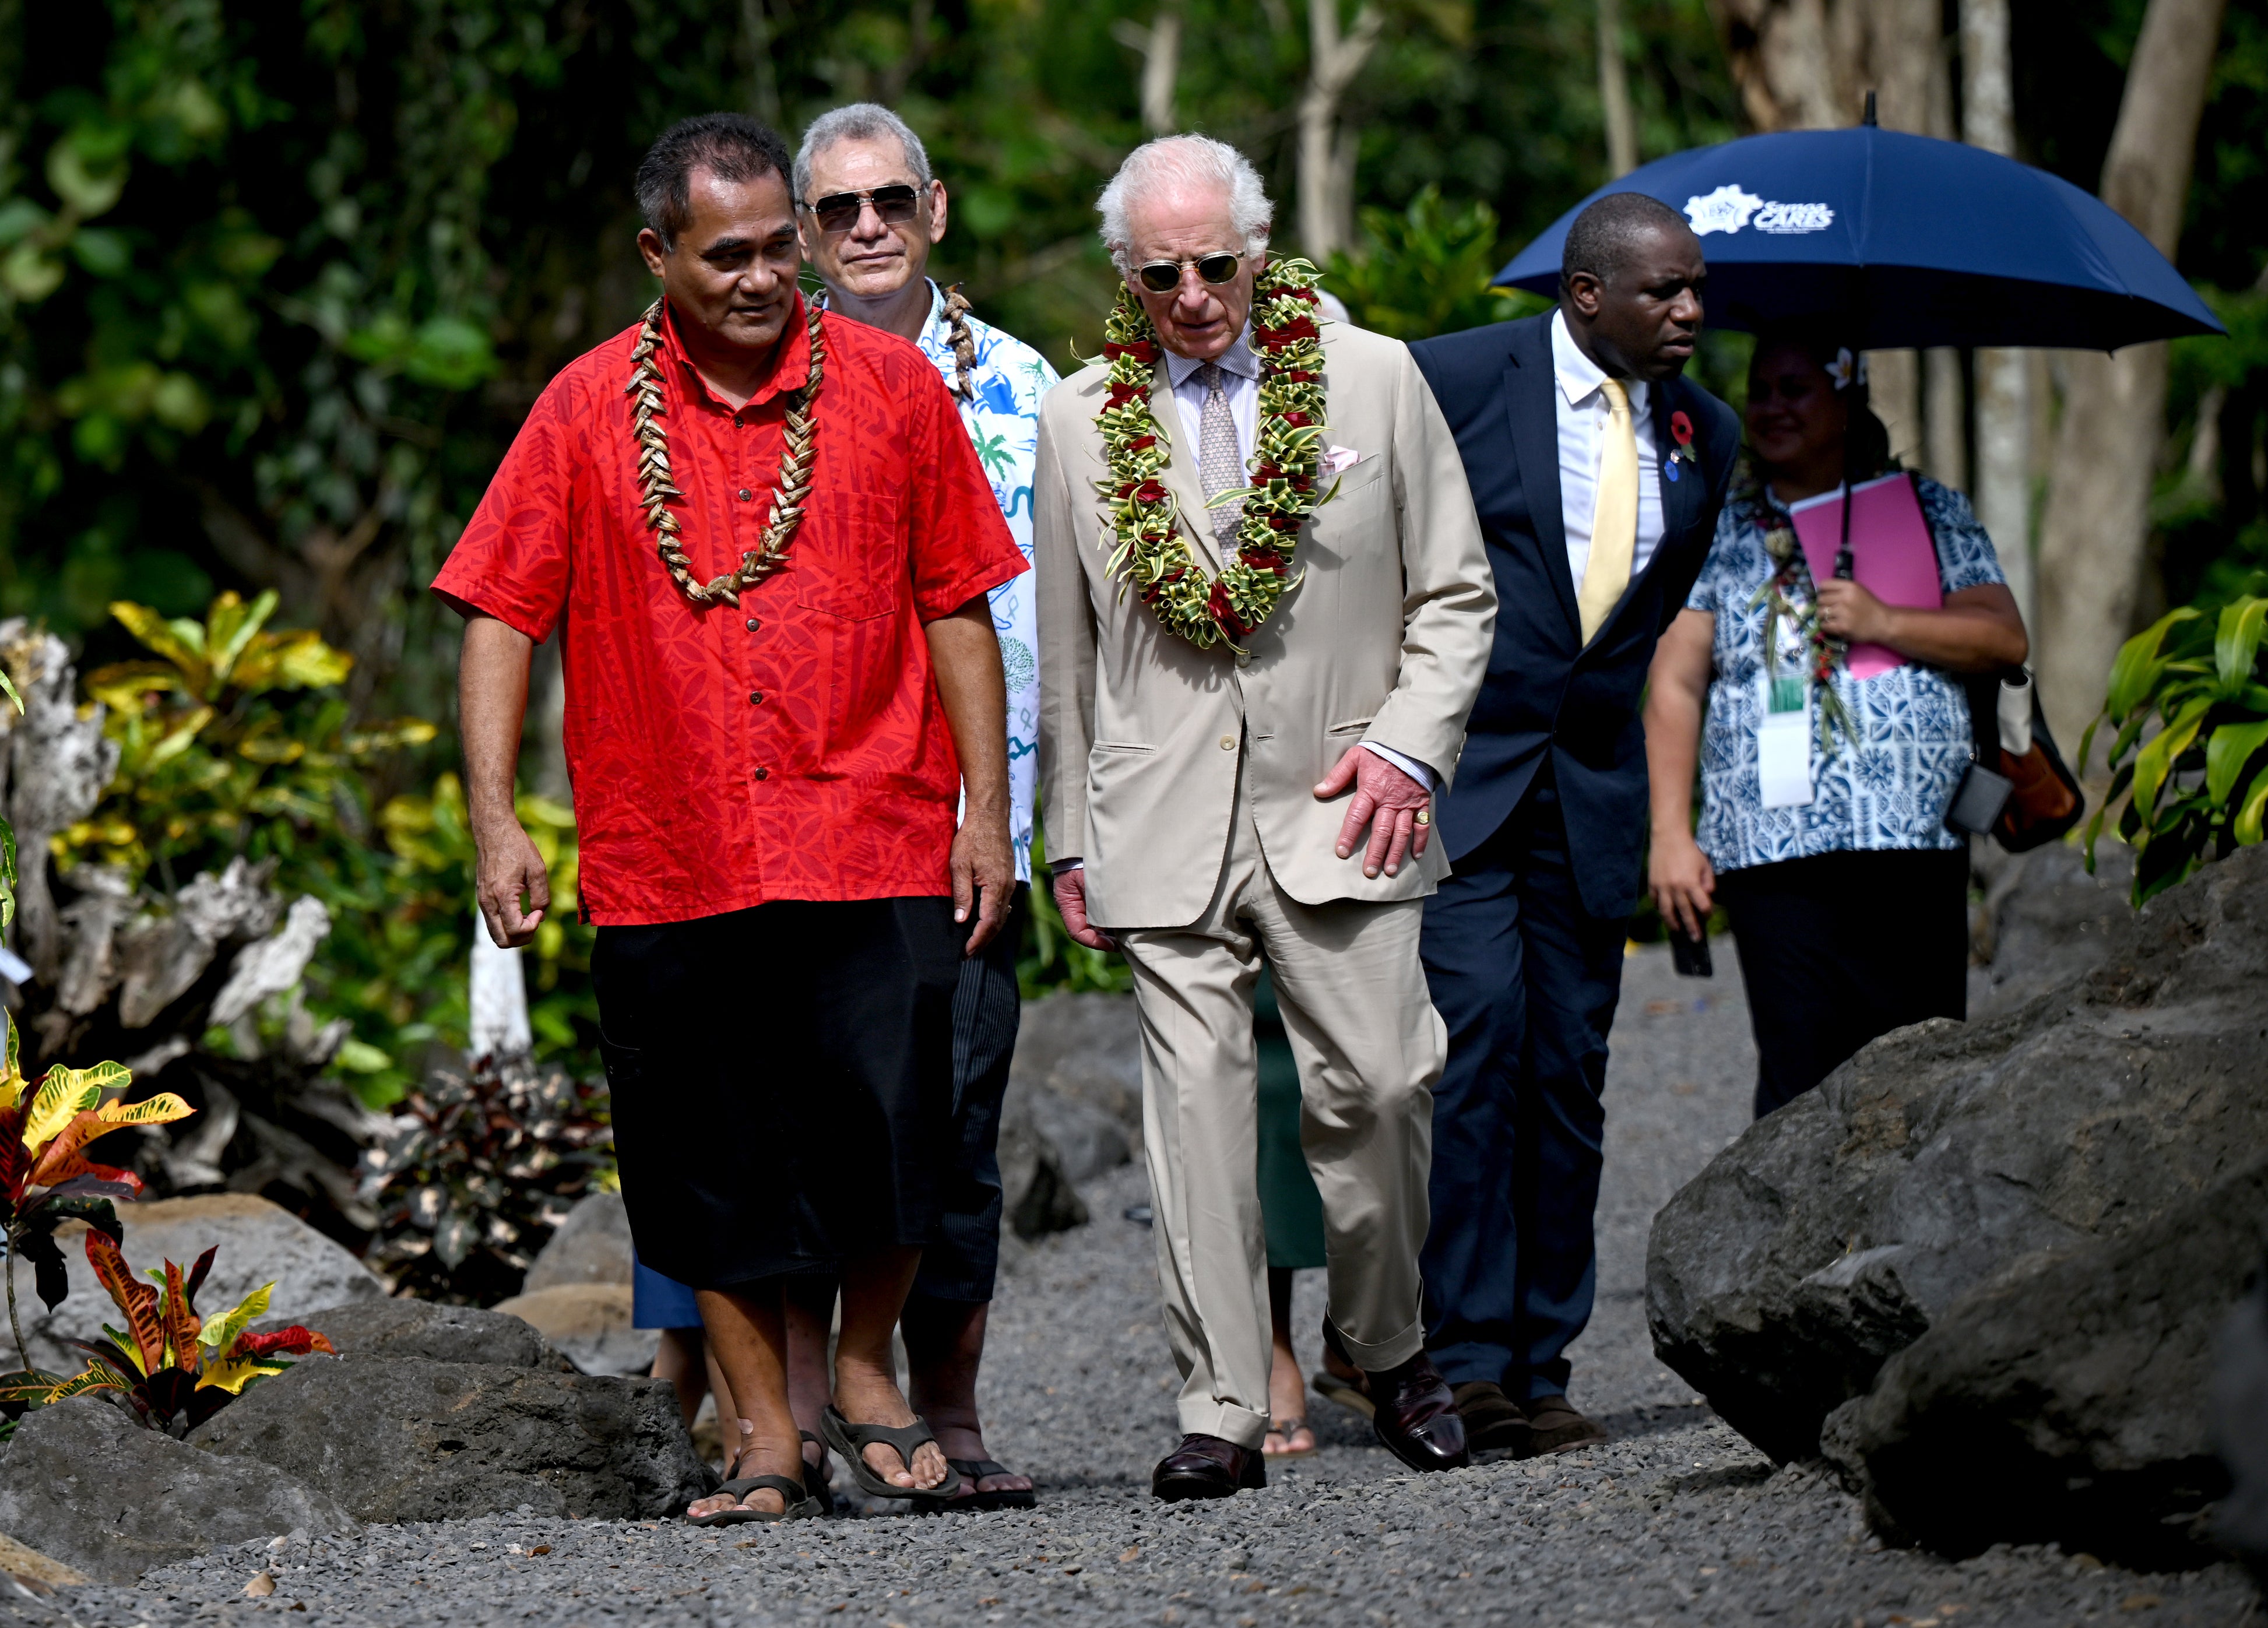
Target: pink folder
[(1891, 554)]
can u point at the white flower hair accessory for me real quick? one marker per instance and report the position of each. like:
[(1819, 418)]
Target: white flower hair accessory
[(1846, 368)]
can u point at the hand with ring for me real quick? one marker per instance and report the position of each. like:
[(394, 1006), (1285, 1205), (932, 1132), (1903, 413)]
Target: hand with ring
[(1395, 809)]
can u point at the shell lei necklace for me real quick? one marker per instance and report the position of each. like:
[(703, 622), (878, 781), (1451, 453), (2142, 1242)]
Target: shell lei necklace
[(1790, 595), (656, 489), (1151, 556)]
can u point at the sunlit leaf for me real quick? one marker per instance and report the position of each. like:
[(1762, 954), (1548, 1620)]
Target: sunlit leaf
[(296, 1341), (2246, 827), (220, 1332), (62, 1095), (2138, 664), (2237, 643), (2231, 747), (231, 626), (180, 642), (182, 1327), (86, 1383), (233, 1375), (145, 1340)]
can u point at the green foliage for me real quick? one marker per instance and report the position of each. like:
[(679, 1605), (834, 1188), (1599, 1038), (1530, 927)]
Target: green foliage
[(2209, 506), (238, 743), (228, 747), (1426, 270), (1051, 961), (46, 1175), (2189, 700), (398, 966), (486, 1164), (172, 1368)]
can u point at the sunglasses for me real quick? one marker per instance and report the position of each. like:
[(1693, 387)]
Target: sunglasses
[(838, 211), (1163, 277)]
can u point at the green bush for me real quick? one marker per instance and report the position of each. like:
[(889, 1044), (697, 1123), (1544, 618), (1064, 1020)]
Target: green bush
[(1426, 270), (2189, 783), (235, 742)]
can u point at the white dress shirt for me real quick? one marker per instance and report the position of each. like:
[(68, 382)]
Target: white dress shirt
[(1242, 385), (1583, 416)]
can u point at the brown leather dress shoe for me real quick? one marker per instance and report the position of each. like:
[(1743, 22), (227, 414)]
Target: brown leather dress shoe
[(1417, 1419), (1491, 1420), (1207, 1467), (1554, 1425)]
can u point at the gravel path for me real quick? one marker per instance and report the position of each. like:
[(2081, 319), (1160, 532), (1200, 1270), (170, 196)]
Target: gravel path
[(1676, 1520)]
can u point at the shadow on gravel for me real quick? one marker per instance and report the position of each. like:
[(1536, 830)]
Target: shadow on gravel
[(1654, 1421), (1725, 1477)]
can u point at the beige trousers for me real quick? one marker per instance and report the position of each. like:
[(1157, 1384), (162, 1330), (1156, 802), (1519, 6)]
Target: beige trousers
[(1369, 1047)]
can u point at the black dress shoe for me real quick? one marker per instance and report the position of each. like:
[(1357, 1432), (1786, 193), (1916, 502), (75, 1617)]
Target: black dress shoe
[(1207, 1467), (1417, 1419)]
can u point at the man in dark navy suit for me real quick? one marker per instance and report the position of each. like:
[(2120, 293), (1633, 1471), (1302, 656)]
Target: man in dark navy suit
[(1598, 472)]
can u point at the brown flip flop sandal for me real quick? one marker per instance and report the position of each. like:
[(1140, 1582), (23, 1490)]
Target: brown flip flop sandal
[(1347, 1393), (1287, 1428)]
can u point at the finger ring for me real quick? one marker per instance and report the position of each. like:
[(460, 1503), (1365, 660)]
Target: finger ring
[(1424, 816)]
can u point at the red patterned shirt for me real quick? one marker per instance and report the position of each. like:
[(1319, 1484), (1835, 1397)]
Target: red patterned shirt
[(793, 747)]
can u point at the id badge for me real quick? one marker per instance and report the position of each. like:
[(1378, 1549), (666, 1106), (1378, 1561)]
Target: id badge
[(1784, 751)]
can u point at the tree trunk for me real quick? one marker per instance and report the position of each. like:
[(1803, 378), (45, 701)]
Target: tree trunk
[(1945, 396), (2003, 485), (1784, 59), (1613, 93), (1903, 60), (1327, 153), (1159, 45), (2097, 521)]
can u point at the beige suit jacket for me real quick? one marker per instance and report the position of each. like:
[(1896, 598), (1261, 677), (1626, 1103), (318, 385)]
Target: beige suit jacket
[(1386, 638)]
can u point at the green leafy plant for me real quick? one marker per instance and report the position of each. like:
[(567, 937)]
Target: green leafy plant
[(396, 966), (1426, 270), (486, 1163), (235, 742), (175, 1369), (46, 1177), (1051, 960), (2194, 787)]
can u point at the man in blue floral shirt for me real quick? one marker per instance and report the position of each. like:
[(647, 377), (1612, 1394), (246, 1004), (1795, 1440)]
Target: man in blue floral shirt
[(870, 211)]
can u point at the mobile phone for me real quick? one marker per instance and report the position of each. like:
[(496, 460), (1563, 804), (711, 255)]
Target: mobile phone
[(1691, 955)]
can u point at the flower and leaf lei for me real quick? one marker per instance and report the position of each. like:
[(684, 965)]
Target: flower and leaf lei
[(1151, 555), (1790, 595)]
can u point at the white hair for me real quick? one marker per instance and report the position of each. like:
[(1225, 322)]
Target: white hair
[(859, 122), (1185, 160)]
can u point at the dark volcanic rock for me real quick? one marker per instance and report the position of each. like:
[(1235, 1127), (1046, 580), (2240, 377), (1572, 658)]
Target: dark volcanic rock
[(2049, 922), (2240, 1428), (408, 1439), (83, 1483), (593, 1245), (1088, 1048), (431, 1332), (1832, 1234), (1087, 1140), (2065, 1400)]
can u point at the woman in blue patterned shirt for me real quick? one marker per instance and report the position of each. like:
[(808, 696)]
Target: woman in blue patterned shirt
[(1850, 910)]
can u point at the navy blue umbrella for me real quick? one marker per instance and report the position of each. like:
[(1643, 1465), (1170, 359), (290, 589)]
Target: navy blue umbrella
[(1912, 241)]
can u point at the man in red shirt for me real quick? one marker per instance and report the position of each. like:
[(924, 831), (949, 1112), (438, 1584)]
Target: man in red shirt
[(766, 544)]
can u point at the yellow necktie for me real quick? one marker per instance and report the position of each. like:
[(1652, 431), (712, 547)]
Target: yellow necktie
[(1614, 518)]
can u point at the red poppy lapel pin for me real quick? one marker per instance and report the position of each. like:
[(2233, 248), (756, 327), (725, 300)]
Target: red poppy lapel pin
[(1681, 430)]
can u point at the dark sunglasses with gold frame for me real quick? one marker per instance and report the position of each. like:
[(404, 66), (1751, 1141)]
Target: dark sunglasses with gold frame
[(838, 211), (1163, 277)]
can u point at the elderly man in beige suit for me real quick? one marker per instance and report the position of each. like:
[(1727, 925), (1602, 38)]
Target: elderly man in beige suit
[(1264, 612)]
